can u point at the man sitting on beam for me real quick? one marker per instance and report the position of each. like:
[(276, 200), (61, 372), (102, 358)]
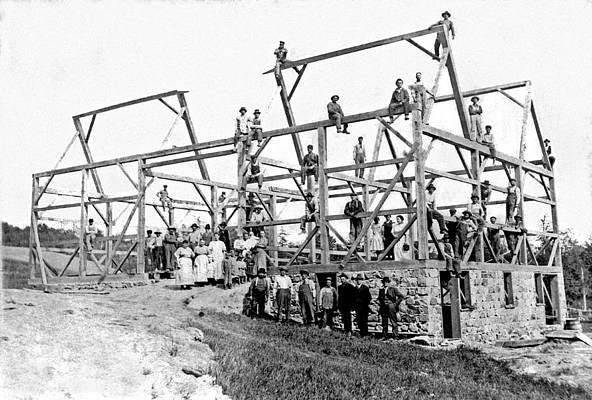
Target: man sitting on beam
[(254, 173), (311, 210)]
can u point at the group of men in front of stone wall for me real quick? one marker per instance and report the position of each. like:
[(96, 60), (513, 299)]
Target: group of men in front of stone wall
[(320, 305)]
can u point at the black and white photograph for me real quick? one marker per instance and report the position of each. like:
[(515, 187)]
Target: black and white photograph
[(295, 199)]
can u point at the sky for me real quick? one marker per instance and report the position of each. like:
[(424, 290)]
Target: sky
[(59, 59)]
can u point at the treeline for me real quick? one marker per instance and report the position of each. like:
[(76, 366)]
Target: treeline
[(577, 270), (19, 237)]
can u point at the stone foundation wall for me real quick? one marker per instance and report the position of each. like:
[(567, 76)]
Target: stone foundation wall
[(491, 319)]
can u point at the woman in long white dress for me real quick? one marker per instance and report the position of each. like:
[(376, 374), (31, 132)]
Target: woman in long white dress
[(259, 250), (201, 263), (217, 249), (184, 275), (403, 243), (376, 242)]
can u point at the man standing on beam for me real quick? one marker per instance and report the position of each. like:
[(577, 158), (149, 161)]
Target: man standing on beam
[(440, 37), (359, 157), (353, 209)]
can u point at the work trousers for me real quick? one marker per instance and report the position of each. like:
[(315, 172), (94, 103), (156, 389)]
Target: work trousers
[(394, 106), (337, 118), (90, 239), (258, 304), (306, 308), (283, 303), (433, 214), (511, 202), (389, 315), (327, 319), (158, 257), (253, 178), (362, 319), (256, 134), (304, 219), (437, 44), (169, 256), (309, 170), (355, 226), (346, 319), (359, 160)]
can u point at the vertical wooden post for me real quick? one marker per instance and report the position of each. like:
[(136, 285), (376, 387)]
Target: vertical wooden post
[(240, 194), (475, 168), (289, 114), (455, 306), (214, 204), (32, 262), (366, 202), (141, 260), (83, 215), (323, 196), (108, 233), (419, 158), (273, 235), (518, 170)]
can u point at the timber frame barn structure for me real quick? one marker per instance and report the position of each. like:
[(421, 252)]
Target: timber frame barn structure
[(478, 304)]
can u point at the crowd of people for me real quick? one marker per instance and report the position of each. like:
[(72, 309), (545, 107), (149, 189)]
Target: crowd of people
[(321, 302)]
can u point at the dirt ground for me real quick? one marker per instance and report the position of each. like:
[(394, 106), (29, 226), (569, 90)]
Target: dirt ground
[(129, 344)]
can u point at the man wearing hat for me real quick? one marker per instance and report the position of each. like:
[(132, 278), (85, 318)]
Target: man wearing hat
[(307, 292), (336, 114), (281, 53), (243, 126), (283, 296), (259, 291), (327, 303), (90, 233), (310, 165), (488, 141), (512, 200), (547, 143), (478, 214), (387, 232), (224, 234), (475, 111), (148, 251), (440, 37), (399, 99), (256, 128), (452, 228), (432, 208), (512, 236), (359, 157), (311, 212), (346, 296), (485, 196), (353, 209), (170, 246), (389, 299), (254, 173), (493, 234), (418, 93), (164, 198), (466, 231), (363, 300)]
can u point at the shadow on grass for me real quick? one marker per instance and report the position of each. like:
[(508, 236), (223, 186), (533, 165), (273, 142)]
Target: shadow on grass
[(265, 360)]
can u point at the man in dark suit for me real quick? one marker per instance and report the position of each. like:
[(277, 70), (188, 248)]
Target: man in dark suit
[(389, 299), (353, 209), (346, 299), (362, 305), (399, 99)]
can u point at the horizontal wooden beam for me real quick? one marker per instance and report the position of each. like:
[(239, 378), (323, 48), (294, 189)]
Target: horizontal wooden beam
[(482, 91), (353, 49), (201, 156), (365, 165), (122, 199), (130, 103), (361, 181)]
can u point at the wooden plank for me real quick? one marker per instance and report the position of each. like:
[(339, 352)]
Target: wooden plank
[(300, 73), (43, 189), (448, 175), (469, 251), (202, 156), (289, 115), (88, 155), (90, 127), (464, 162), (130, 103), (437, 244), (264, 206), (342, 240), (127, 175), (381, 202), (310, 236), (353, 49), (509, 96), (529, 247), (42, 264), (517, 250), (127, 254), (421, 48), (122, 199), (140, 241), (394, 131), (553, 251), (372, 164), (191, 132), (70, 259), (490, 247), (429, 104), (83, 219)]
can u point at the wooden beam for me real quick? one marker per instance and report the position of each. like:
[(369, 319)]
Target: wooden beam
[(127, 175), (300, 73), (289, 115), (310, 237), (161, 215), (509, 96), (130, 103), (394, 131), (191, 132), (353, 49), (70, 259), (362, 181), (203, 197), (167, 105), (43, 189), (213, 154), (88, 155), (83, 221), (375, 152), (456, 91), (423, 49), (372, 164), (90, 127), (483, 91), (127, 254)]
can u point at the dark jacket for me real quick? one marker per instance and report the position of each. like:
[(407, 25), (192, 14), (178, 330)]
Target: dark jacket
[(353, 208), (364, 298), (391, 296), (400, 96), (347, 295)]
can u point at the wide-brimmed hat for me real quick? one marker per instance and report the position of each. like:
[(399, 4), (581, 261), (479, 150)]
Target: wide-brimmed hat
[(475, 98), (309, 194), (430, 186), (360, 277), (257, 111), (282, 42), (261, 271), (386, 279), (157, 232), (242, 109), (304, 272), (517, 216), (487, 126), (446, 13), (470, 214), (336, 97), (172, 228), (194, 225), (486, 182)]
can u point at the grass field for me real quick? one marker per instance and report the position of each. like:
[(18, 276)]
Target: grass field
[(15, 274), (265, 360)]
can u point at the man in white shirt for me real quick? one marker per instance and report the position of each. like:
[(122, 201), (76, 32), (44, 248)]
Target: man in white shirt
[(307, 292), (359, 156), (432, 209), (194, 236), (283, 285), (477, 211), (149, 250), (90, 234), (243, 126)]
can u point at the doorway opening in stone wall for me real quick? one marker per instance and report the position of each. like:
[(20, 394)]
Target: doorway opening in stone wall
[(550, 292), (449, 293)]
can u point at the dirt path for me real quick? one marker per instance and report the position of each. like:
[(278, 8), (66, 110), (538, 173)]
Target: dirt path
[(129, 344)]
